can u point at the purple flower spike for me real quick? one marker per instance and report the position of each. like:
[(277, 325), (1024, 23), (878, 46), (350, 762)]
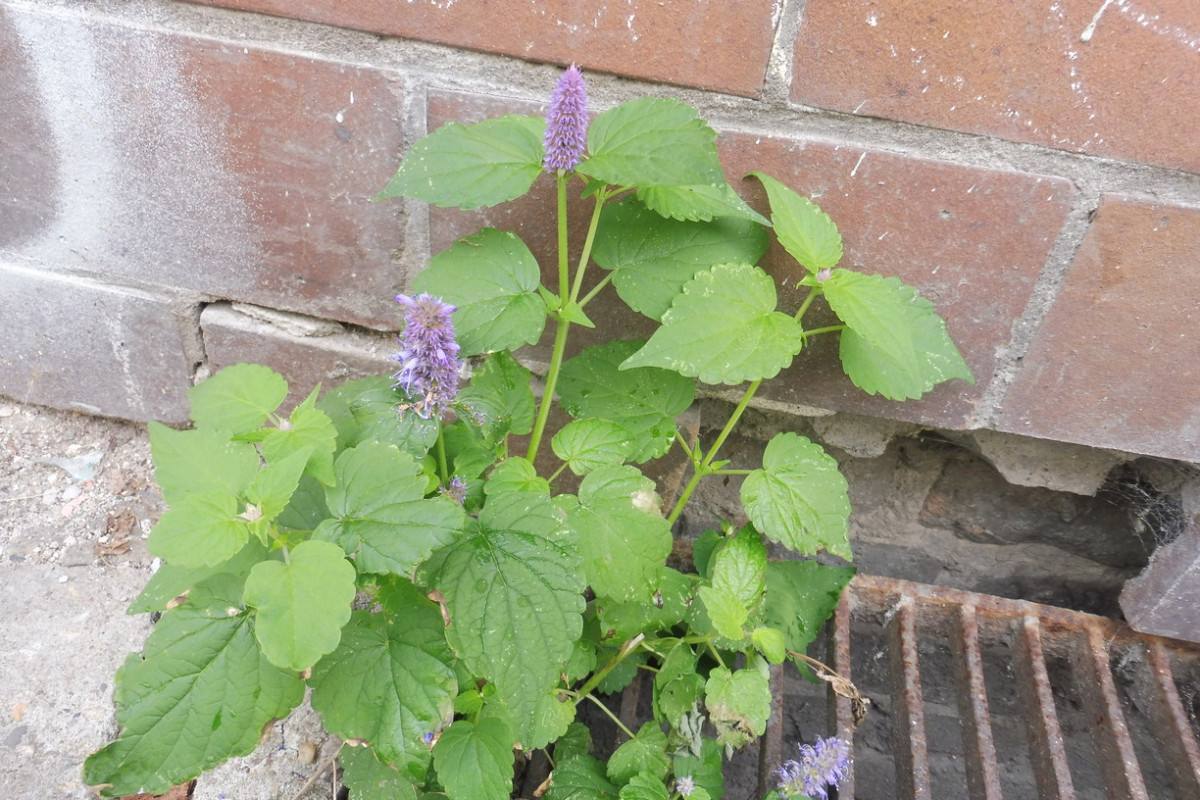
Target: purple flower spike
[(429, 358), (826, 763), (456, 490), (566, 123)]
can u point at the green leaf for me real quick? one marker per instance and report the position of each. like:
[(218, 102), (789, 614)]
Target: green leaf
[(577, 741), (307, 508), (895, 344), (302, 604), (171, 581), (699, 203), (237, 399), (643, 401), (644, 787), (588, 444), (770, 643), (493, 280), (804, 230), (726, 611), (475, 760), (308, 428), (738, 704), (677, 687), (273, 486), (500, 397), (469, 166), (706, 769), (200, 461), (799, 498), (388, 682), (200, 530), (740, 566), (622, 535), (654, 257), (513, 587), (656, 605), (200, 693), (515, 474), (370, 779), (652, 142), (801, 595), (580, 777), (379, 513), (723, 328), (644, 753), (368, 409)]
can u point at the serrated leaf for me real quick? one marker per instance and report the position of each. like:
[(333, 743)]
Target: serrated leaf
[(500, 397), (513, 587), (307, 508), (652, 142), (310, 429), (368, 778), (367, 409), (302, 604), (677, 686), (622, 535), (273, 486), (657, 605), (237, 399), (469, 166), (698, 203), (644, 786), (200, 693), (580, 777), (799, 498), (770, 643), (379, 513), (493, 280), (801, 596), (170, 581), (654, 257), (706, 769), (475, 760), (740, 566), (726, 611), (588, 444), (515, 474), (804, 230), (644, 753), (723, 328), (643, 401), (895, 344), (388, 682), (199, 461), (738, 704), (200, 530), (577, 741)]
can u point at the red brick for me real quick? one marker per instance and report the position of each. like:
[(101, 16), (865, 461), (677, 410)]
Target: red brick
[(720, 44), (75, 345), (1164, 598), (1017, 70), (238, 172), (972, 240), (233, 337), (1116, 362)]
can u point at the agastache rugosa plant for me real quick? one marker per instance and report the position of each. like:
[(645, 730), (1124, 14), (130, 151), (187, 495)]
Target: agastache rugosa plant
[(393, 549)]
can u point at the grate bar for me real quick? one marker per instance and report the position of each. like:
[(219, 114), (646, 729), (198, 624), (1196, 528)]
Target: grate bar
[(1046, 741), (908, 710), (1179, 745), (770, 746), (1123, 776), (983, 771), (843, 711)]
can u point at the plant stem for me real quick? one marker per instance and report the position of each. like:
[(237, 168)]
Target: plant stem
[(611, 716), (443, 470), (596, 289), (564, 267), (621, 655), (556, 359), (813, 295), (586, 254), (826, 329)]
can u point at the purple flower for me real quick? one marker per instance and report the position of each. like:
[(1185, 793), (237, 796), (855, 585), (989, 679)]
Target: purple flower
[(828, 762), (456, 490), (685, 785), (566, 123), (429, 356)]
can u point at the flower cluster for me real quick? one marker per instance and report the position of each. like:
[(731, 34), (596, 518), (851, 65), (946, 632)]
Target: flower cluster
[(685, 785), (429, 359), (566, 123), (820, 765)]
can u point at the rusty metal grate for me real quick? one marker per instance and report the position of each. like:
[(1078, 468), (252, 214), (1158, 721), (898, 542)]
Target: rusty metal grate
[(985, 698)]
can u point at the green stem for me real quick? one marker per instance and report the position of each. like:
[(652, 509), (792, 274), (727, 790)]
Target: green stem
[(813, 295), (586, 255), (443, 469), (612, 716), (826, 329), (596, 289), (556, 359), (564, 265), (621, 655)]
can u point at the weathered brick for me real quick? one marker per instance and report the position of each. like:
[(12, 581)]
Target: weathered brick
[(1164, 598), (720, 44), (325, 356), (75, 345), (239, 172), (1028, 71), (972, 240), (1116, 362)]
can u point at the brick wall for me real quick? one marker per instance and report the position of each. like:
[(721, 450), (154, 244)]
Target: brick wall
[(175, 175)]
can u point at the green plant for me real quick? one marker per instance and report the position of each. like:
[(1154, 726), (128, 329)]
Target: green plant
[(391, 547)]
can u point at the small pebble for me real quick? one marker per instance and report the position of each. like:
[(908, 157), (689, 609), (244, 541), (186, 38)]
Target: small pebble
[(307, 753), (63, 578)]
